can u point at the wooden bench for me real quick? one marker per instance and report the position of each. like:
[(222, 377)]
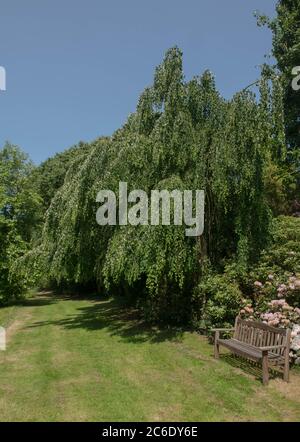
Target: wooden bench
[(258, 342)]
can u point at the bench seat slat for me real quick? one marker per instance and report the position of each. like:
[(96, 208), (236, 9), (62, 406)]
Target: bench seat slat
[(245, 349)]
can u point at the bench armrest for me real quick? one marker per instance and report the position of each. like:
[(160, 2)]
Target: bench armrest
[(272, 347)]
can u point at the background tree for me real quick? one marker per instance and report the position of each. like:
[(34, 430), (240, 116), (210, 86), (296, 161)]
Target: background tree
[(285, 28), (20, 214), (49, 175)]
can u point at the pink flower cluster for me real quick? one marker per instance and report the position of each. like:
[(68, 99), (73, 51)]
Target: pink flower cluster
[(294, 283), (276, 312), (275, 319), (282, 290)]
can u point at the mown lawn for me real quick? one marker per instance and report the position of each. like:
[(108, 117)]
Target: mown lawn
[(90, 360)]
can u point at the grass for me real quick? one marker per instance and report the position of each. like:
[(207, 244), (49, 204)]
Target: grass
[(91, 360)]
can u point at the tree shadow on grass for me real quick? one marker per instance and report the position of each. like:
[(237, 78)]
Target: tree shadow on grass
[(118, 320), (250, 367), (37, 302), (42, 298), (48, 297)]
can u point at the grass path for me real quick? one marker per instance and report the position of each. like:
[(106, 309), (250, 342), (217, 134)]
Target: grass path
[(89, 360)]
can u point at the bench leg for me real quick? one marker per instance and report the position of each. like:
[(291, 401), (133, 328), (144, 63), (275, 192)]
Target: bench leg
[(216, 346), (286, 370), (265, 368)]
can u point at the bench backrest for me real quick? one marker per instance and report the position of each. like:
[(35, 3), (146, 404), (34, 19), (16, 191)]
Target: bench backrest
[(259, 334)]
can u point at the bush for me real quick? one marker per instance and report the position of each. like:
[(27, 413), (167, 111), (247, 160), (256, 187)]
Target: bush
[(216, 301), (282, 257), (282, 311)]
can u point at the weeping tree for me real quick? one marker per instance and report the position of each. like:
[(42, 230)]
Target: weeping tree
[(183, 135)]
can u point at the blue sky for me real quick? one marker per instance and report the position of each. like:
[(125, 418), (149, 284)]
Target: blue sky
[(75, 68)]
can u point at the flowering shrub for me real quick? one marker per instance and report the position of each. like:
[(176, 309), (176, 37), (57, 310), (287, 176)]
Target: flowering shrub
[(276, 303)]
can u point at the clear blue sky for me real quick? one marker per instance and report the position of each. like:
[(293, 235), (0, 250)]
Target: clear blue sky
[(75, 68)]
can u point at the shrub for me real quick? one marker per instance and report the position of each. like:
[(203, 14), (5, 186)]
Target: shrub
[(282, 257), (216, 301), (276, 303)]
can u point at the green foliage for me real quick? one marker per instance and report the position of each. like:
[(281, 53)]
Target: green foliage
[(50, 175), (286, 50), (280, 186), (218, 299), (282, 257), (19, 214), (12, 247)]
